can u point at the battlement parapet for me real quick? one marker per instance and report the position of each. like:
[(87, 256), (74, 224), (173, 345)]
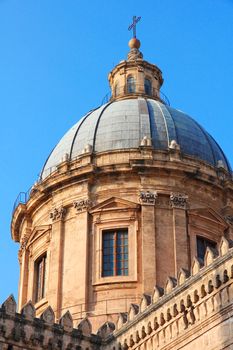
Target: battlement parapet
[(186, 308), (24, 330)]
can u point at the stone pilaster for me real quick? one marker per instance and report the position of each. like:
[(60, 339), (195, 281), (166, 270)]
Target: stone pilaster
[(81, 207), (180, 235), (23, 284), (148, 248), (54, 290)]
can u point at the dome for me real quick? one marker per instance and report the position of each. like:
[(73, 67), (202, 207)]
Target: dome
[(122, 124)]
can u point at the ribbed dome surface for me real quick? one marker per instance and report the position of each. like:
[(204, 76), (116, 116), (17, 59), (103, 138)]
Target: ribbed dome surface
[(122, 125)]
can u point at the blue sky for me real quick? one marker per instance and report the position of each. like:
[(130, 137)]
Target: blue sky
[(54, 61)]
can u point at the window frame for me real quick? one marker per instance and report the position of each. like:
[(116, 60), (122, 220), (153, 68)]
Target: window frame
[(121, 220), (40, 282), (116, 257)]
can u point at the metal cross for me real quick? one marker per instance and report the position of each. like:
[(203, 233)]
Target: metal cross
[(133, 25)]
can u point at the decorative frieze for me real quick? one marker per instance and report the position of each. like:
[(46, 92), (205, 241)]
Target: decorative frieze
[(58, 213), (148, 197), (83, 204), (178, 200)]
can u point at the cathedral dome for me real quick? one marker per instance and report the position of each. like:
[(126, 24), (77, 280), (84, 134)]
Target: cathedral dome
[(134, 192), (123, 124)]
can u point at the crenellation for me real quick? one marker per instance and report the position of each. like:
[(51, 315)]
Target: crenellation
[(23, 330), (162, 321), (195, 305)]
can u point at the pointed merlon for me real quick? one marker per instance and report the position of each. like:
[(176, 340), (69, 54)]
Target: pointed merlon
[(85, 327), (145, 302), (182, 276), (48, 316), (133, 311), (122, 319), (197, 264), (66, 321), (158, 293), (210, 255), (225, 245), (170, 284), (106, 330), (9, 306), (28, 311)]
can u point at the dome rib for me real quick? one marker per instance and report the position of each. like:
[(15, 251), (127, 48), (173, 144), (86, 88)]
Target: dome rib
[(77, 130), (97, 123), (175, 136), (165, 123), (144, 119), (206, 137)]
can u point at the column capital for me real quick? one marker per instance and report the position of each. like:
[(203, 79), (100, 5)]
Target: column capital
[(178, 200), (148, 197), (58, 213)]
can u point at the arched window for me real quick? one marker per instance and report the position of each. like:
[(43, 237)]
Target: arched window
[(131, 86), (147, 86), (116, 89)]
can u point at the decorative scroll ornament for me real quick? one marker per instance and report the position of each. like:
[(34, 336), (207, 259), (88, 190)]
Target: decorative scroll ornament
[(178, 200), (229, 219), (148, 197), (83, 204), (58, 213)]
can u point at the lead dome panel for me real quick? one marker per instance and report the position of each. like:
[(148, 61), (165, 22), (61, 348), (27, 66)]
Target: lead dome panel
[(122, 124)]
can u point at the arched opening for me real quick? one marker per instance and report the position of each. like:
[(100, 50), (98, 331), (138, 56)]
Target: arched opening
[(147, 86), (131, 86)]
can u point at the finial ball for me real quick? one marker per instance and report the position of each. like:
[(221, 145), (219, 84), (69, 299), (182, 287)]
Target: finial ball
[(134, 43)]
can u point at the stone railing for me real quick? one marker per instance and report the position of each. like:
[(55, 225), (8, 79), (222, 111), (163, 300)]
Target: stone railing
[(193, 310)]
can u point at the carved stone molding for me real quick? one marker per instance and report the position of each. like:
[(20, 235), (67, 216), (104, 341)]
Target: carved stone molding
[(178, 200), (81, 205), (58, 213), (25, 238), (147, 197)]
